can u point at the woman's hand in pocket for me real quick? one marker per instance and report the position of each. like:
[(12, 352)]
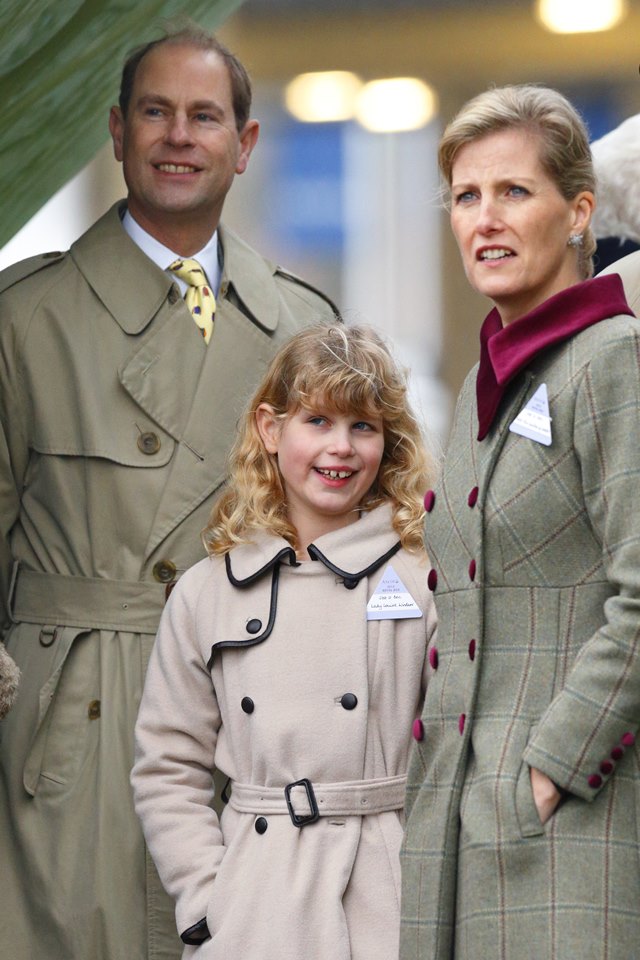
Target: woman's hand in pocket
[(545, 794)]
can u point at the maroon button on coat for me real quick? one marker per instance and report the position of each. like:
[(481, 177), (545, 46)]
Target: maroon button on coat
[(418, 729), (429, 500), (472, 499), (472, 570), (432, 580), (433, 658)]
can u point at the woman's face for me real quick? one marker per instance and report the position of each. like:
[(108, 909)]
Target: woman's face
[(512, 223)]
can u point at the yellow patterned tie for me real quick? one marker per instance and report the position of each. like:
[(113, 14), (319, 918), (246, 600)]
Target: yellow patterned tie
[(199, 296)]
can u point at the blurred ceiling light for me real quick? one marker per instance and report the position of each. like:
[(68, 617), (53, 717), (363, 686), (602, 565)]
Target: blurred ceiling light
[(323, 97), (580, 16), (399, 103)]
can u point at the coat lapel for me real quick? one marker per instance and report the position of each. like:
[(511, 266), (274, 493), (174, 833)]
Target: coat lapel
[(211, 403)]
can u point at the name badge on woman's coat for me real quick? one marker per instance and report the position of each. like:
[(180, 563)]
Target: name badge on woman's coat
[(534, 421)]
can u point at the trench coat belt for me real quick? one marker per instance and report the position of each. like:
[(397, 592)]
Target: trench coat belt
[(56, 600), (350, 798)]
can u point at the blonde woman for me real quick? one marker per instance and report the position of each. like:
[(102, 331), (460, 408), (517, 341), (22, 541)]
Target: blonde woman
[(524, 788)]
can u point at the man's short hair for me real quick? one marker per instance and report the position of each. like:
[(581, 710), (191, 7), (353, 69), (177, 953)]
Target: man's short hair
[(192, 36)]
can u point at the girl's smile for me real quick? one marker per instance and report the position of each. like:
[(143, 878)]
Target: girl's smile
[(328, 462)]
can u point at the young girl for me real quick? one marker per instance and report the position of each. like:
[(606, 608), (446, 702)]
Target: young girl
[(293, 660)]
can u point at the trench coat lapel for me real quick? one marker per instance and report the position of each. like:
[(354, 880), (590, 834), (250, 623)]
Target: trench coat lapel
[(105, 251), (212, 402)]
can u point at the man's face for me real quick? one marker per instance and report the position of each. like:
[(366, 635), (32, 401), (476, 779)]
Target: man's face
[(179, 144)]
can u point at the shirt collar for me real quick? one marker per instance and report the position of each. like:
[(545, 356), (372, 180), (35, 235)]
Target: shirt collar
[(163, 257), (505, 351)]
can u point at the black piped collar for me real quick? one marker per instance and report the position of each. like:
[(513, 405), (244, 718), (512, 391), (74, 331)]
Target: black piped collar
[(352, 552)]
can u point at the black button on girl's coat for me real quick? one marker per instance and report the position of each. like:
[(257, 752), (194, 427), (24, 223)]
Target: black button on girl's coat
[(261, 825), (349, 701), (254, 626), (247, 705)]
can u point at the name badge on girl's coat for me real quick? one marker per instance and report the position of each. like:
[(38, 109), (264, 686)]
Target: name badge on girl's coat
[(534, 422), (391, 600)]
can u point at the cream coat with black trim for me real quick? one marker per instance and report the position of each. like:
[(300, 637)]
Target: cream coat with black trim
[(116, 420), (272, 686)]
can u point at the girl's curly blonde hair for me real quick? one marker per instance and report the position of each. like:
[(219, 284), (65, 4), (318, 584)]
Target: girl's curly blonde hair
[(350, 370)]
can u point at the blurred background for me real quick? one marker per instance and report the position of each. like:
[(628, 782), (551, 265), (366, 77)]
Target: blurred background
[(343, 186)]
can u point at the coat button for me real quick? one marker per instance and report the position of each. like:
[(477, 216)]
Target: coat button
[(462, 719), (148, 442), (164, 571), (472, 570), (349, 701), (261, 825), (432, 580), (418, 729), (429, 500), (433, 657), (606, 767), (595, 780), (93, 710), (617, 753), (247, 705), (627, 740), (174, 294), (350, 583), (254, 626), (472, 499), (472, 650)]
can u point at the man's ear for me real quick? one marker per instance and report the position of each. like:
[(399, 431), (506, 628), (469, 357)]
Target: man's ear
[(116, 129), (269, 427), (248, 139)]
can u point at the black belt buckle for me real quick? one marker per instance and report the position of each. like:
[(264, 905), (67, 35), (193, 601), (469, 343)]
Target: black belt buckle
[(296, 819)]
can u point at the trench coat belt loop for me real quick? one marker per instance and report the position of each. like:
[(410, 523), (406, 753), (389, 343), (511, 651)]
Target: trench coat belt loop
[(351, 798), (127, 606)]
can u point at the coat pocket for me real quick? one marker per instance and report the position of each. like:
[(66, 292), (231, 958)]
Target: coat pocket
[(41, 653), (63, 707), (526, 810)]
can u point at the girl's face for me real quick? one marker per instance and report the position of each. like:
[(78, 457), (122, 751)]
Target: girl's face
[(328, 462), (512, 223)]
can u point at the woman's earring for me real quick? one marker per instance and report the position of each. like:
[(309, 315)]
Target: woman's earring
[(575, 240)]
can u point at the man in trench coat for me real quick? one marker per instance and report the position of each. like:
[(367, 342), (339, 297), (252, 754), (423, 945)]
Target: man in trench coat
[(115, 419)]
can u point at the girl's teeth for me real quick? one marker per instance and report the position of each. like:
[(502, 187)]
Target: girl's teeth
[(336, 474)]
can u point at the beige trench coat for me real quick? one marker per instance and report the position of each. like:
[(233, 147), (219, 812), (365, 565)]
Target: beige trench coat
[(320, 693), (116, 419)]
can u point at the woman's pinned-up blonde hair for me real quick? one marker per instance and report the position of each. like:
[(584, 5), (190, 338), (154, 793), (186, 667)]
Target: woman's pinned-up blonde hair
[(564, 140), (348, 369)]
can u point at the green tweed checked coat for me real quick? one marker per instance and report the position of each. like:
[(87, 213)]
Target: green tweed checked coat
[(536, 550)]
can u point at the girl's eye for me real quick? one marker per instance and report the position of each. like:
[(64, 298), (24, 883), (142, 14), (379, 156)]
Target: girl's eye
[(317, 420), (362, 425)]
